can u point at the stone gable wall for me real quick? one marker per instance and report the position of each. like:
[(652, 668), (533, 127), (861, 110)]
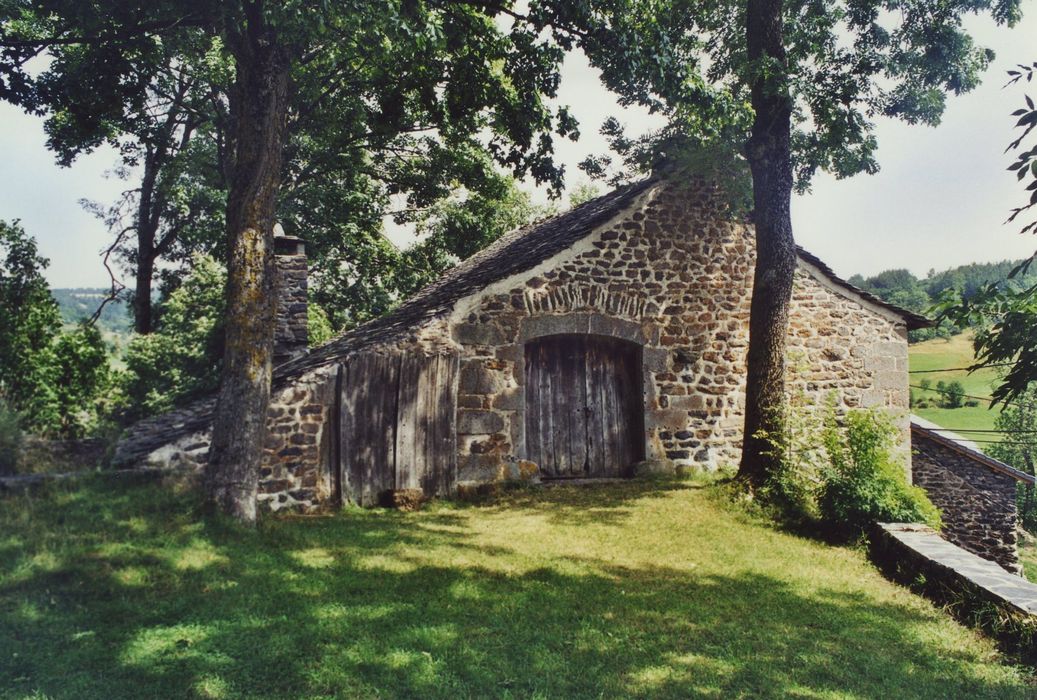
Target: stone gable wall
[(977, 503), (675, 275)]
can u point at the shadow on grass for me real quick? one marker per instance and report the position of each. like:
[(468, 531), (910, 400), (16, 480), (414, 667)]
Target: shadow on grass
[(128, 595)]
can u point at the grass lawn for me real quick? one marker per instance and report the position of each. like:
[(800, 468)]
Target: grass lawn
[(942, 353), (640, 589)]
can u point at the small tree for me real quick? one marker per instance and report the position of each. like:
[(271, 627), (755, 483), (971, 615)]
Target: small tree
[(1019, 449), (953, 394), (29, 322), (81, 375)]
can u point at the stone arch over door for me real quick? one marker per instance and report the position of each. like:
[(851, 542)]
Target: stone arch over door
[(584, 405)]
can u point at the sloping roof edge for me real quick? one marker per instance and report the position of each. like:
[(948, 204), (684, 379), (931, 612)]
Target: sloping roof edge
[(955, 442), (914, 321)]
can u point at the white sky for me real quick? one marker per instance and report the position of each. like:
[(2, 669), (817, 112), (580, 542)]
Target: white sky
[(940, 200)]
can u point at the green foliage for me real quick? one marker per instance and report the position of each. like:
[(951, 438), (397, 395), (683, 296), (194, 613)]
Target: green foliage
[(10, 439), (318, 326), (52, 379), (841, 474), (791, 491), (902, 288), (1006, 316), (29, 322), (951, 394), (583, 193), (457, 228), (844, 65), (81, 379), (864, 482), (1019, 449), (182, 358)]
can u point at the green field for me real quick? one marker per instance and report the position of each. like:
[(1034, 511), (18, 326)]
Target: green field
[(661, 589), (953, 353)]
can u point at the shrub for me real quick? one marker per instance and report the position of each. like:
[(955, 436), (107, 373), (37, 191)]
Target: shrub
[(864, 482), (841, 476), (952, 393), (10, 439), (971, 403)]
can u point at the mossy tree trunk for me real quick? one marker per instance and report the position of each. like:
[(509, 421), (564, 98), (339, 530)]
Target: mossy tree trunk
[(770, 160), (259, 105)]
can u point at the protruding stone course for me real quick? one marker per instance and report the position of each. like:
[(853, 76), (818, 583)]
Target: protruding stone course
[(977, 504)]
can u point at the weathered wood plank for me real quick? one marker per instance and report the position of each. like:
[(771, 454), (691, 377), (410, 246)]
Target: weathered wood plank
[(578, 409), (584, 406), (442, 432), (348, 484), (369, 396), (534, 407), (409, 446)]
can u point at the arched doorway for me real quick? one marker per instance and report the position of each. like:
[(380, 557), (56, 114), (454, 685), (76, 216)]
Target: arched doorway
[(584, 406)]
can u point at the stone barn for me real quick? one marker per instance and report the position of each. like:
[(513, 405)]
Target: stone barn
[(576, 347)]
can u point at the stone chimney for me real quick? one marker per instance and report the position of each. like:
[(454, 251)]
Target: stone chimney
[(291, 334)]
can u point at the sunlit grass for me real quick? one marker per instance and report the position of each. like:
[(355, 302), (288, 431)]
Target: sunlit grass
[(639, 589), (953, 353)]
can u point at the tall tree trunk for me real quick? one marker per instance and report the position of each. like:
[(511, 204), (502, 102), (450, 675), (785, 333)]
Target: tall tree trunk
[(259, 104), (147, 228), (145, 272), (770, 161)]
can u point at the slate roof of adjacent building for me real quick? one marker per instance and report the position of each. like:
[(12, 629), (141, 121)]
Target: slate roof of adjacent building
[(968, 448)]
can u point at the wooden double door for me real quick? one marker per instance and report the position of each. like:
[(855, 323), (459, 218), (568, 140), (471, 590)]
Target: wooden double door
[(584, 406)]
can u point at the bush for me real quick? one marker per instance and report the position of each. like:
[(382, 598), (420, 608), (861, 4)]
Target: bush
[(10, 439), (842, 477), (952, 394), (971, 403), (864, 482)]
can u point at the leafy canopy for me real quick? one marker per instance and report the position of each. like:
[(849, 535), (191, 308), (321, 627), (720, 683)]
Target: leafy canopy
[(847, 65)]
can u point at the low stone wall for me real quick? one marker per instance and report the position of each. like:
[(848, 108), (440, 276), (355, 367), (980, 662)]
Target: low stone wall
[(977, 503), (977, 591)]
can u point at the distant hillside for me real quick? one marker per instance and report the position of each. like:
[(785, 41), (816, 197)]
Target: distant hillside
[(77, 304), (951, 355), (901, 287)]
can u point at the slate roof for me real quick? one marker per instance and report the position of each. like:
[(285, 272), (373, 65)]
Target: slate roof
[(513, 253), (965, 447)]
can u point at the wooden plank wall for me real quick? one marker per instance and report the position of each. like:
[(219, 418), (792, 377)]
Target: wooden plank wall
[(398, 425)]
